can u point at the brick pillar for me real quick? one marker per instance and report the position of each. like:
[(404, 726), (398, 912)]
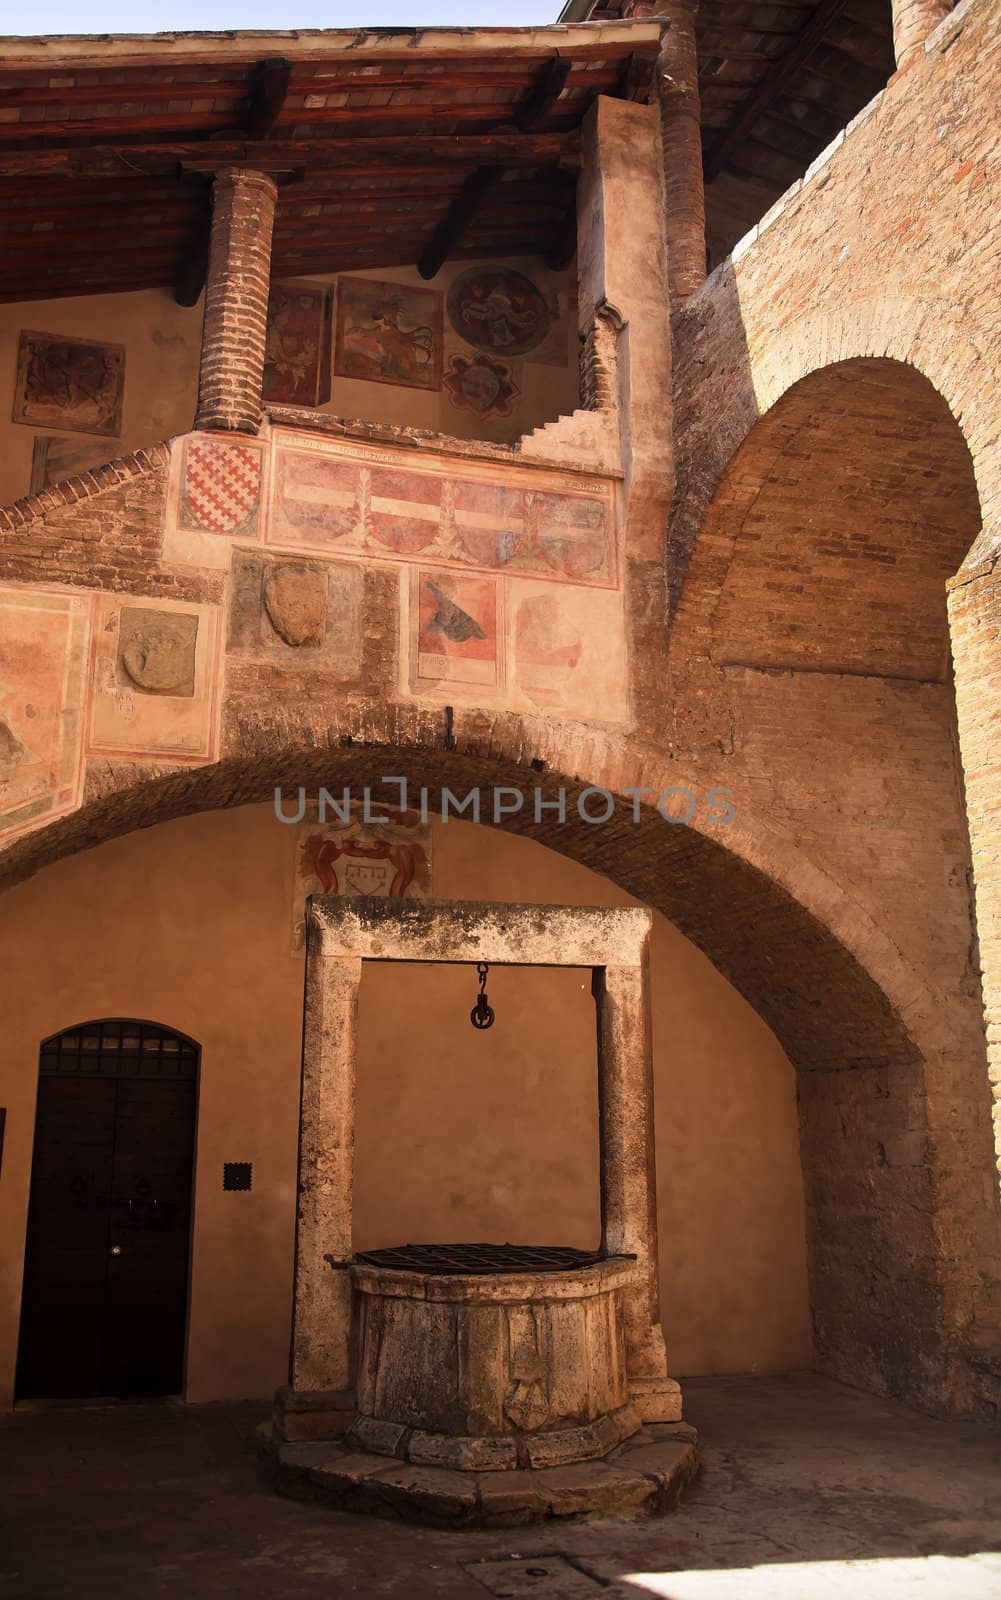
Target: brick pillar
[(231, 373), (913, 21), (677, 75), (975, 628)]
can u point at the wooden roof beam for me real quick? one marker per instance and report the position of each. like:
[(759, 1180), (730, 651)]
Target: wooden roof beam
[(268, 91), (509, 149), (190, 280), (534, 107), (774, 83), (530, 112)]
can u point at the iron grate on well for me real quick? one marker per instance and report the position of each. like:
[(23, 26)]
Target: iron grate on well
[(454, 1260)]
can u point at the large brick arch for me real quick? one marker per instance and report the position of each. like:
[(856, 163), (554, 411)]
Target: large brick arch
[(939, 342), (879, 1297), (762, 880), (854, 491), (811, 619)]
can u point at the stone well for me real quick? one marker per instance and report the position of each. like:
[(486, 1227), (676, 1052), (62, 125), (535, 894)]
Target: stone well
[(463, 1383), (498, 1371)]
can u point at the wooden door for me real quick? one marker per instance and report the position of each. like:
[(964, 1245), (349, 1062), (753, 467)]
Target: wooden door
[(104, 1306)]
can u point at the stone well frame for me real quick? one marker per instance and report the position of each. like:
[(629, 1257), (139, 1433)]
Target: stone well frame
[(341, 934)]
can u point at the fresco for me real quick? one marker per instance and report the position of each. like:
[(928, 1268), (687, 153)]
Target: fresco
[(44, 642), (567, 652), (388, 333), (317, 499), (328, 497), (56, 456), (297, 351), (220, 487), (154, 679), (481, 384), (215, 495), (498, 310), (73, 384), (405, 509), (361, 857), (456, 630)]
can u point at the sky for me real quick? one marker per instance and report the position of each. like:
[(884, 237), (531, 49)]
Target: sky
[(162, 16)]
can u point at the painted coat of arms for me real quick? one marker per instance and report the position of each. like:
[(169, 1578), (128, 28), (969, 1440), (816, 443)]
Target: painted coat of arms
[(70, 383), (388, 333), (360, 857), (499, 310), (220, 487), (297, 353), (481, 384)]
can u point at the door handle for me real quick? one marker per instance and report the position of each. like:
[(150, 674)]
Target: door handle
[(116, 1249)]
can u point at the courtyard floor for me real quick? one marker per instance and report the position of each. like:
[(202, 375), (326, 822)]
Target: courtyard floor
[(808, 1490)]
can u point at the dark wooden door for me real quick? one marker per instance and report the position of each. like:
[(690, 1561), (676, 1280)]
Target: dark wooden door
[(104, 1307)]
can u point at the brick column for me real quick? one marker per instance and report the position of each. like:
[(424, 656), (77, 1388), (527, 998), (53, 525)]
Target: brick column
[(913, 21), (677, 76), (975, 628), (231, 372)]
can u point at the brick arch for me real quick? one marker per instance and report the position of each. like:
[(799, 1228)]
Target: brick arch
[(834, 528), (936, 338), (843, 1002), (814, 600), (835, 1021), (747, 862)]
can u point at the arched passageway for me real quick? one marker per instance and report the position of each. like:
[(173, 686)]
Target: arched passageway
[(812, 623)]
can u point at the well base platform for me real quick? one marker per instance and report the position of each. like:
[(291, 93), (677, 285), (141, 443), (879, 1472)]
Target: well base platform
[(645, 1476)]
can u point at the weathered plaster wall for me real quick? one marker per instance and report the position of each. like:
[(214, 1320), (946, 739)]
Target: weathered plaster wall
[(459, 1135), (162, 341)]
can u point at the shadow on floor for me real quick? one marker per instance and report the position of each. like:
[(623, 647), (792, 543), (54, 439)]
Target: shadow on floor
[(800, 1477)]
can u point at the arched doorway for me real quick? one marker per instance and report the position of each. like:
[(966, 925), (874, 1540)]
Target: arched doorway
[(104, 1307)]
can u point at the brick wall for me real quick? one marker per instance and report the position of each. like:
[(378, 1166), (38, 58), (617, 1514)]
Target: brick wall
[(836, 422)]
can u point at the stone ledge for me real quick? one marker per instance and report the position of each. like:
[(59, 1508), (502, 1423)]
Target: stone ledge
[(646, 1476), (560, 1447)]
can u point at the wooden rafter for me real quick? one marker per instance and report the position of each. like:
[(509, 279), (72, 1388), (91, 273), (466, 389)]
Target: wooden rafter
[(268, 92), (529, 114), (316, 155), (774, 83)]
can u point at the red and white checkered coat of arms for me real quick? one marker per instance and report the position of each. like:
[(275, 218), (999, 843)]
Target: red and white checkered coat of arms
[(220, 487)]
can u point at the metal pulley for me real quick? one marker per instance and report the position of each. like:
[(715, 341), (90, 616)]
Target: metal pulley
[(482, 1014)]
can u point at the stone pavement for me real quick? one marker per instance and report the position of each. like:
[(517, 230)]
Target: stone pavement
[(810, 1491)]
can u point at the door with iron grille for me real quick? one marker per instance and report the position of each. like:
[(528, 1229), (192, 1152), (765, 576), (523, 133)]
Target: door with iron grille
[(104, 1305)]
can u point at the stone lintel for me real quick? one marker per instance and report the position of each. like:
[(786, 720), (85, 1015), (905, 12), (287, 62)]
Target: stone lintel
[(470, 930)]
